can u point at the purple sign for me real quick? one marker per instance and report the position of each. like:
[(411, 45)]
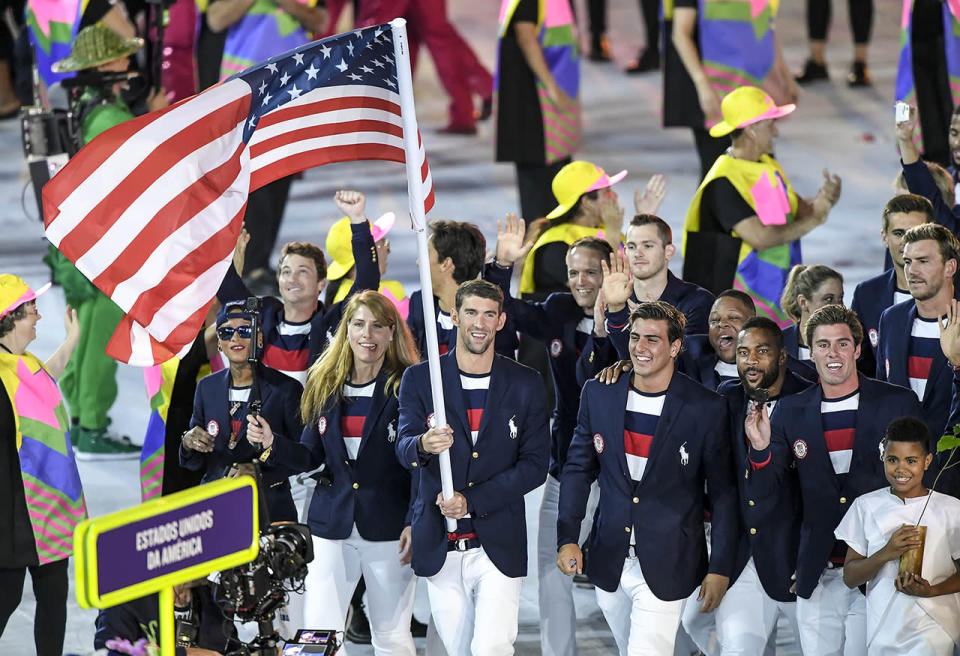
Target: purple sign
[(175, 540)]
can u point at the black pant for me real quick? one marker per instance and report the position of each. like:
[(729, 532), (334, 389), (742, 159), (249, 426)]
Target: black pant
[(861, 19), (534, 184), (264, 212), (708, 148), (934, 102), (649, 9), (50, 590)]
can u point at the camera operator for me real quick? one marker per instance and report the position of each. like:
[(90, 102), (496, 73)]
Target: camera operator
[(221, 418), (201, 628)]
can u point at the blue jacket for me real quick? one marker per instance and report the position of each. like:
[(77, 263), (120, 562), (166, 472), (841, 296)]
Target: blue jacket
[(797, 444), (774, 547), (791, 342), (325, 321), (509, 459), (870, 299), (374, 493), (691, 447), (893, 352), (694, 301), (553, 322), (950, 482), (280, 396)]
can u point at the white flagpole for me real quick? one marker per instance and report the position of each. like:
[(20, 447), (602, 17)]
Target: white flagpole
[(417, 195)]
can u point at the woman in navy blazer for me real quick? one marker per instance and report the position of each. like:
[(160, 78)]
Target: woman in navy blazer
[(808, 289), (360, 511), (217, 440)]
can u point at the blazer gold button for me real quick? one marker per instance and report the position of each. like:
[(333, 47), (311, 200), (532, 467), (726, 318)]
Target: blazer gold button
[(843, 499), (636, 500), (753, 531), (751, 503), (627, 529), (356, 486), (470, 484), (476, 455), (413, 464)]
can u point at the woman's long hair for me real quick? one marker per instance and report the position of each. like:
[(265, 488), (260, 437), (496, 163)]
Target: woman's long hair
[(327, 375), (804, 280)]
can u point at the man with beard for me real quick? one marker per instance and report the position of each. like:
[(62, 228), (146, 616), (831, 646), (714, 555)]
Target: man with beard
[(908, 349), (829, 437), (711, 359), (565, 323), (766, 560), (644, 440), (649, 248), (873, 296), (498, 442)]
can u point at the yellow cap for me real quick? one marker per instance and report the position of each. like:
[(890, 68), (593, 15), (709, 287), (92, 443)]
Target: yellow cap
[(14, 292), (338, 243), (747, 105), (574, 180)]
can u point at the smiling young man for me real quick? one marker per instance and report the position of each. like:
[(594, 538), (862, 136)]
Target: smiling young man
[(296, 327), (873, 296), (829, 437), (644, 440), (908, 349), (711, 359), (649, 249), (760, 591), (565, 322), (498, 441)]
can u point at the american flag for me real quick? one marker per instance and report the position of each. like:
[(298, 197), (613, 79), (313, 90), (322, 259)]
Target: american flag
[(151, 209)]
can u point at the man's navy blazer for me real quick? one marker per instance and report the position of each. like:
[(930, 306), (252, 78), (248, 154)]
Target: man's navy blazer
[(690, 447), (870, 299), (508, 460), (280, 397), (791, 343), (774, 547), (374, 492), (893, 354), (552, 321), (797, 444)]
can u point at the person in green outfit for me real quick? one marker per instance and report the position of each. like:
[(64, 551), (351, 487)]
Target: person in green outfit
[(89, 381)]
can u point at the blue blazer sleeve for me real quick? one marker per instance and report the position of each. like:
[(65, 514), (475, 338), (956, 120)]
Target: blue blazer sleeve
[(528, 317), (766, 480), (300, 456), (232, 288), (723, 493), (619, 333), (881, 373), (365, 257), (190, 459), (579, 472), (920, 181), (412, 420), (598, 353)]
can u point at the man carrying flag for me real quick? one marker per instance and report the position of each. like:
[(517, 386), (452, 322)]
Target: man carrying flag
[(89, 381)]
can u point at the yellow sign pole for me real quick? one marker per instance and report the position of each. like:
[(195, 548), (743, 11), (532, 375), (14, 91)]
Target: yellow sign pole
[(167, 640)]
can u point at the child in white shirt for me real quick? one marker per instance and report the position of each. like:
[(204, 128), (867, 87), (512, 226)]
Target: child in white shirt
[(906, 614)]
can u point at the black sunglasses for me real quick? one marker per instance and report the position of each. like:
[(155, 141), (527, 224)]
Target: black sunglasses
[(226, 332)]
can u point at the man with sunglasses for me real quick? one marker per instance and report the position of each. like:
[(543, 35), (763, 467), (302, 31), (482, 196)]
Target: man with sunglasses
[(217, 439)]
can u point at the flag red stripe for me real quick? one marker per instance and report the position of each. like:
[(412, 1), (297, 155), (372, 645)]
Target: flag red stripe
[(329, 105), (326, 130), (164, 157), (91, 157), (309, 159), (185, 272), (167, 220)]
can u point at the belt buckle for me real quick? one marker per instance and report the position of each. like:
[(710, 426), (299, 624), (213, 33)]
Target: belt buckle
[(461, 544)]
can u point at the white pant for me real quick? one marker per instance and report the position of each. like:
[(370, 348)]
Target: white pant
[(333, 575), (558, 618), (747, 616), (474, 605), (697, 628), (642, 625), (833, 621)]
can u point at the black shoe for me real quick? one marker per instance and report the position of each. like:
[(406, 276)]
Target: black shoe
[(600, 50), (417, 629), (858, 76), (358, 628), (649, 60), (812, 72)]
